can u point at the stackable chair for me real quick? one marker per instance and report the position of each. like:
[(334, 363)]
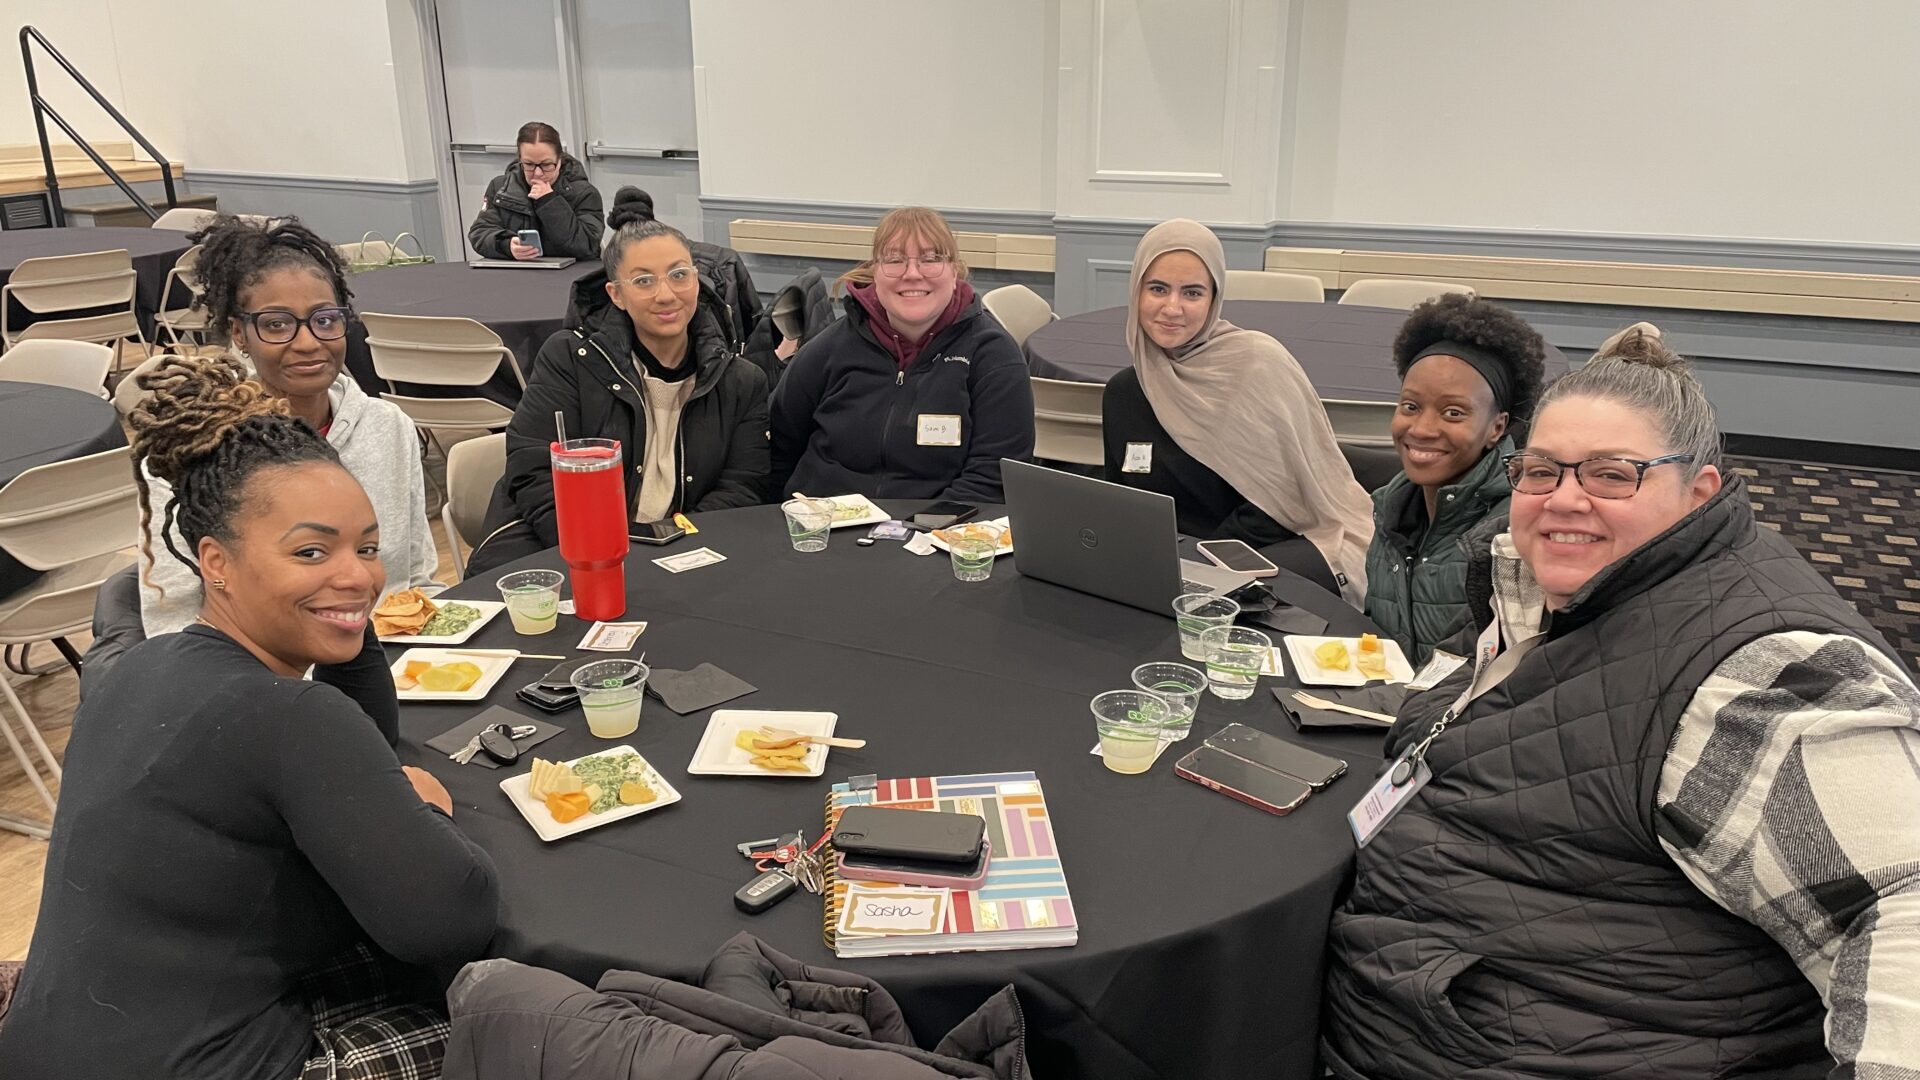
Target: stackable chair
[(76, 365), (1019, 309), (59, 284), (473, 468), (186, 319), (1399, 293), (1066, 421), (1267, 285)]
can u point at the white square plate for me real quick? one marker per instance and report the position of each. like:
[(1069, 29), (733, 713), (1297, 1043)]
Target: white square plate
[(535, 810), (1312, 674), (491, 668), (1004, 523), (869, 513), (717, 756), (487, 609)]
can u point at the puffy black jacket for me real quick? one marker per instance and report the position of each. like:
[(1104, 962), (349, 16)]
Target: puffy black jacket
[(846, 419), (801, 310), (570, 218)]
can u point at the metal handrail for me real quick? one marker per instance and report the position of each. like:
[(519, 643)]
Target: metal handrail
[(42, 110)]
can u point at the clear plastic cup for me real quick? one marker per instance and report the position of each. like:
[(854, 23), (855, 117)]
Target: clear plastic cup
[(1131, 724), (611, 693), (974, 547), (1180, 686), (1235, 655), (1197, 613), (808, 523), (532, 598)]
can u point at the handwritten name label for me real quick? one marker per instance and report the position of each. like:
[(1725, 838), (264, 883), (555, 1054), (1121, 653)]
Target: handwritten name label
[(893, 910)]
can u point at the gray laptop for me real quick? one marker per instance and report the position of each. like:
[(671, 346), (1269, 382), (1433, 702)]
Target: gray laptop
[(544, 262), (1109, 540)]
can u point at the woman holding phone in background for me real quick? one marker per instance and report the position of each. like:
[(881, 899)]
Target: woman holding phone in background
[(545, 190)]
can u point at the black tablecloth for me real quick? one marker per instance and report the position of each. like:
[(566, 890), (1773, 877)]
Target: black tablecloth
[(524, 307), (154, 252), (1345, 349), (1202, 920), (40, 425)]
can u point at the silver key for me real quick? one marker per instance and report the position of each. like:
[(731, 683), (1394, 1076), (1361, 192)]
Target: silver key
[(518, 731), (465, 753)]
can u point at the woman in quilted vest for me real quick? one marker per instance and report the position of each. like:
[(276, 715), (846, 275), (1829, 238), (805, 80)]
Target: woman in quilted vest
[(1668, 824), (1469, 369)]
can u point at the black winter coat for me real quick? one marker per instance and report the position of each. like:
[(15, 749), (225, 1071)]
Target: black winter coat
[(570, 219), (801, 310)]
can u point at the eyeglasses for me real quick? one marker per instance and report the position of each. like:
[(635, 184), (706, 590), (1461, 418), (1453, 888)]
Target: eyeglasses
[(932, 264), (679, 279), (280, 327), (539, 166), (1600, 477)]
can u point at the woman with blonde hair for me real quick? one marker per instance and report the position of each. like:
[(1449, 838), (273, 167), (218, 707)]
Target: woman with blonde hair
[(917, 394)]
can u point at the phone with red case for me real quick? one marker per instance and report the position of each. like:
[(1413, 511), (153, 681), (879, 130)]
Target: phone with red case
[(915, 871), (1241, 779)]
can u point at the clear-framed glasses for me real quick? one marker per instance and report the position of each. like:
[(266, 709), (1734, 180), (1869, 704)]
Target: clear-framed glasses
[(280, 327), (679, 279), (541, 167), (932, 264), (1600, 477)]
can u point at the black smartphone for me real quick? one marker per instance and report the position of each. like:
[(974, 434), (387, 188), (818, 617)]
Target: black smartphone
[(559, 677), (941, 515), (1310, 767), (654, 532), (927, 835), (1241, 779), (546, 700)]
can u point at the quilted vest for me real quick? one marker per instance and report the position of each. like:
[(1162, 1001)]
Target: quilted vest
[(1518, 917)]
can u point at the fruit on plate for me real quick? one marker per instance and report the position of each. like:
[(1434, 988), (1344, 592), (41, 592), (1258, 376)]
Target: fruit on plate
[(449, 678), (1333, 656), (636, 793), (409, 677), (787, 754), (565, 806)]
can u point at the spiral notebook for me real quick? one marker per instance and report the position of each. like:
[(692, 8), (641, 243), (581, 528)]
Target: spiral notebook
[(1024, 902)]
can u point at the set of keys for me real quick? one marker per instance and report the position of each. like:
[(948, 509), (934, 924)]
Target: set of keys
[(787, 864), (496, 741)]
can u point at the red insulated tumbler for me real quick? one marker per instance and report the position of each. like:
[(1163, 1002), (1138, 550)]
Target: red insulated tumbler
[(591, 504)]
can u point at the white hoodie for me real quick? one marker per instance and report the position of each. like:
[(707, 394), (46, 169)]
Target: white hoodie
[(377, 444)]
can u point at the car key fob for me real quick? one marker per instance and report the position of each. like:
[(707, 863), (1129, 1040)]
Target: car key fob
[(765, 891), (497, 743)]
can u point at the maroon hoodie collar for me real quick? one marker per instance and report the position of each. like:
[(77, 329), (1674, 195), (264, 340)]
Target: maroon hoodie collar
[(905, 351)]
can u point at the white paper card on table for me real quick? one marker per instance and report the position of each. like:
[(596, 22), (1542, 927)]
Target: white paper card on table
[(939, 429), (689, 560), (921, 544), (1165, 741), (1435, 671), (1273, 665), (1139, 458), (613, 636), (566, 607), (1382, 801), (889, 911)]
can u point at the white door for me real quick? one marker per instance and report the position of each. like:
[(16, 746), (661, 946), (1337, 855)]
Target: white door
[(636, 88)]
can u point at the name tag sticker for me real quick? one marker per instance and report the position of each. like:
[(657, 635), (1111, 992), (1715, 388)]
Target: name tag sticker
[(1139, 458), (939, 429), (1382, 801), (893, 910), (1440, 665)]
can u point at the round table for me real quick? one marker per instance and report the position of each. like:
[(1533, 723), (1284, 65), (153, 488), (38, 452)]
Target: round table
[(1183, 896), (1345, 349), (40, 425), (524, 307), (154, 252)]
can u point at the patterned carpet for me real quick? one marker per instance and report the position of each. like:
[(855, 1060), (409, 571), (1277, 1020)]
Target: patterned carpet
[(1860, 527)]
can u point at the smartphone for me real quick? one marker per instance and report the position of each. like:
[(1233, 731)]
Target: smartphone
[(916, 871), (1310, 767), (940, 515), (1241, 779), (654, 532), (559, 678), (1236, 556), (927, 835), (531, 238), (546, 700)]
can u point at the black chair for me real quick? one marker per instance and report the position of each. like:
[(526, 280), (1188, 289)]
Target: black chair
[(1373, 466)]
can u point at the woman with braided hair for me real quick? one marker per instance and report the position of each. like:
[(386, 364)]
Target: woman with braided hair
[(234, 842), (278, 293)]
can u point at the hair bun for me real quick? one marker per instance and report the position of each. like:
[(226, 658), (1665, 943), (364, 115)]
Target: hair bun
[(630, 204), (192, 405), (1640, 344)]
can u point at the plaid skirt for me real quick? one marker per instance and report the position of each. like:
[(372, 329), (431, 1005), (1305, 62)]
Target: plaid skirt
[(364, 1030)]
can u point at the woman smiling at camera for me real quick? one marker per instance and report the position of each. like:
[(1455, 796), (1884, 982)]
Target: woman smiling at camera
[(235, 845), (1467, 367), (1670, 828)]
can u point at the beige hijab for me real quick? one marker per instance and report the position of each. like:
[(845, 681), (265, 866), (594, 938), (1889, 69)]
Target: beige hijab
[(1238, 402)]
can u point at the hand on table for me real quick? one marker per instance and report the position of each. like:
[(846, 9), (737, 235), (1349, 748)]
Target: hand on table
[(429, 788), (522, 251)]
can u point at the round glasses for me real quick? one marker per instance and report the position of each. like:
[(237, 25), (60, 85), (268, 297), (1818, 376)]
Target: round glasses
[(679, 279), (932, 264), (1600, 477), (280, 327)]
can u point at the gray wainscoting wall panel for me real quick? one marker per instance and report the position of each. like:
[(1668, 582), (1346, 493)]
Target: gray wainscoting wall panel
[(342, 210)]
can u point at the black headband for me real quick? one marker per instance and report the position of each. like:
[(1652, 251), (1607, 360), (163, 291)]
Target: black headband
[(1491, 368)]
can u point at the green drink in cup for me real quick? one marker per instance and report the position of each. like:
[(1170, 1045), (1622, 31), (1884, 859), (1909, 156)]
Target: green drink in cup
[(1131, 724), (532, 598), (611, 693)]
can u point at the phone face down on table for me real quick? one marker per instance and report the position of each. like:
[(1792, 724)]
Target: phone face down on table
[(1310, 767), (1238, 778), (941, 515), (915, 871), (1236, 556), (929, 835), (654, 532)]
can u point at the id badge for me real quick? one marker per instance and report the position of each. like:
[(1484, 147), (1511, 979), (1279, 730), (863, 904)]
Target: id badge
[(1383, 800), (938, 429), (1139, 458)]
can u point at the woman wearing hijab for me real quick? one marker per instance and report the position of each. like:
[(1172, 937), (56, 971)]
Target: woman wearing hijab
[(1466, 366), (1224, 421)]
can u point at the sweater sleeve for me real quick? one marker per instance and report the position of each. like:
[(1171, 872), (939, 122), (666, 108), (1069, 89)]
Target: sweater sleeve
[(552, 388), (790, 422), (1002, 417), (422, 557), (169, 591), (369, 682), (422, 890), (1790, 795), (488, 237), (744, 476), (571, 221)]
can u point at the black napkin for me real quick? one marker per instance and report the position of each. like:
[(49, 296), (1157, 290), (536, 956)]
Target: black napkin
[(687, 692), (1290, 620), (1384, 698), (454, 738)]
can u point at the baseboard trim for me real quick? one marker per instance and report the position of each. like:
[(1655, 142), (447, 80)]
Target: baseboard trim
[(355, 185), (963, 219)]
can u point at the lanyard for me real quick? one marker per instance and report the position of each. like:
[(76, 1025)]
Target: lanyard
[(1491, 666)]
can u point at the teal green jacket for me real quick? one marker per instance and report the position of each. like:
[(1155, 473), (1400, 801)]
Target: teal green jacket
[(1416, 572)]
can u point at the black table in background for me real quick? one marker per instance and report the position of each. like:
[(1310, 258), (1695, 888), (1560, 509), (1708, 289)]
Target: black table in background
[(40, 425), (154, 251), (1202, 920), (524, 307), (1345, 349)]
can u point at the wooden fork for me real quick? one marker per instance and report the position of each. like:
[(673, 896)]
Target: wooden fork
[(774, 734), (1312, 702)]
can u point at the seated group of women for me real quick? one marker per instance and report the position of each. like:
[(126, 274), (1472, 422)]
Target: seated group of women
[(1664, 821)]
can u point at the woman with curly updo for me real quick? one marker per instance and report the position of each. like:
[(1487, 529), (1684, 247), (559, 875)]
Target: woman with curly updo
[(1469, 369)]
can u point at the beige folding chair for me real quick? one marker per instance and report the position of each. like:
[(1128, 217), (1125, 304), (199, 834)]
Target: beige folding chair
[(74, 520), (57, 283), (1362, 423), (76, 365), (435, 350), (473, 468), (1019, 309), (187, 319), (1399, 293), (127, 394), (185, 218), (1066, 421), (1267, 285)]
